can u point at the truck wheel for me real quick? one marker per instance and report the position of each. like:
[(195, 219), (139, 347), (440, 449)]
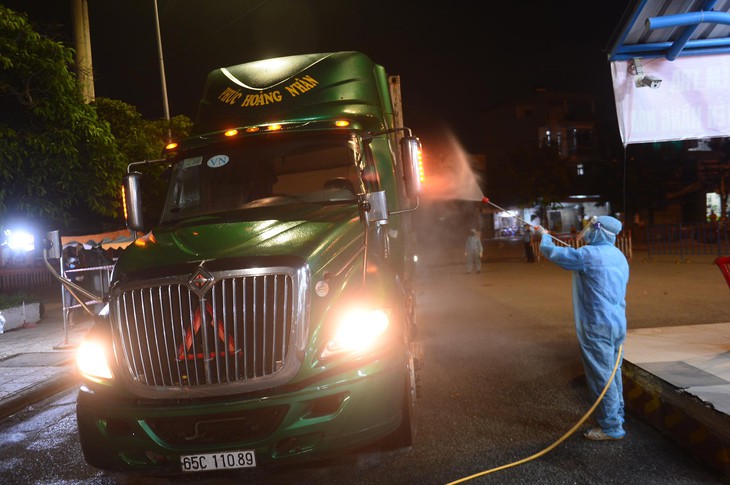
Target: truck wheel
[(404, 435), (93, 450)]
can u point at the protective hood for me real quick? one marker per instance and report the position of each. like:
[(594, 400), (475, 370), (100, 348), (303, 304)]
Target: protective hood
[(602, 230)]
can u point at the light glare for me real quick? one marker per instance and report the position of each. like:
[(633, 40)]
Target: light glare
[(19, 240), (91, 360), (357, 331)]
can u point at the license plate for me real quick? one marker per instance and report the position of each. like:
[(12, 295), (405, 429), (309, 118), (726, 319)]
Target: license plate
[(218, 461)]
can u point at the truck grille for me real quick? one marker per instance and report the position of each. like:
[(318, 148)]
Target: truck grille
[(209, 330)]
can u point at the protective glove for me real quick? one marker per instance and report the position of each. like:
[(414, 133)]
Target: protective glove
[(541, 230)]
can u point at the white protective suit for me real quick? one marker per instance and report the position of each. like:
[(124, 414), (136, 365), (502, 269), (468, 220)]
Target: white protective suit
[(473, 252), (600, 276)]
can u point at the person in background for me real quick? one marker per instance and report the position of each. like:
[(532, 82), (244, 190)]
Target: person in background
[(600, 276), (527, 242), (473, 253)]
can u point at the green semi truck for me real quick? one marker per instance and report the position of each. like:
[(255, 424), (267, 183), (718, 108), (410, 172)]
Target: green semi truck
[(269, 315)]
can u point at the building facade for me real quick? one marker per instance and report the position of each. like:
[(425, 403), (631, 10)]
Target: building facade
[(549, 138)]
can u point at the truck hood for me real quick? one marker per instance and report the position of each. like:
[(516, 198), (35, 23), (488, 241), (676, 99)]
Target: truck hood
[(313, 232)]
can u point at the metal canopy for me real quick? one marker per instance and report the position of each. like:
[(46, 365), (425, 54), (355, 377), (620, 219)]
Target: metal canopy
[(671, 28)]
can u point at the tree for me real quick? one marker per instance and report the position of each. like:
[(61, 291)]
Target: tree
[(60, 162), (139, 139)]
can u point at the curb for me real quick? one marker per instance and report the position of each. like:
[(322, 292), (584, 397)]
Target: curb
[(37, 392), (694, 425)]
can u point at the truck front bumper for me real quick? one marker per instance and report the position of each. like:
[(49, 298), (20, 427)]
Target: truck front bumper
[(333, 416)]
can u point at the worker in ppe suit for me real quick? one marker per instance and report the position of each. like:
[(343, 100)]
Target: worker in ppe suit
[(600, 275), (473, 252)]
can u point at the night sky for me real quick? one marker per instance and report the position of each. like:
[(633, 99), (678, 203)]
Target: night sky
[(454, 60)]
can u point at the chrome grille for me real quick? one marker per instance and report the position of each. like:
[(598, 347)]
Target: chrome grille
[(241, 329)]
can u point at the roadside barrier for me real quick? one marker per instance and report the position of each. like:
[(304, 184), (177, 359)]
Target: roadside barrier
[(95, 279), (623, 242), (25, 277), (700, 238)]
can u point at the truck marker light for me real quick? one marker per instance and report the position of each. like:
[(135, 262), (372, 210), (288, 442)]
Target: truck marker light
[(91, 361), (274, 127), (171, 146), (357, 331), (342, 123), (124, 202), (232, 132), (143, 241), (421, 171), (252, 129)]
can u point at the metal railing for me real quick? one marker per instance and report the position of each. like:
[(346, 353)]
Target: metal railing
[(684, 240), (96, 280), (25, 277)]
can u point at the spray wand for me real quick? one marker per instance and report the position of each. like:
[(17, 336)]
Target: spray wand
[(486, 200)]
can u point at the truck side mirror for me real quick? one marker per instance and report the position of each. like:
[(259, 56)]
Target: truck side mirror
[(132, 195), (52, 245), (411, 156)]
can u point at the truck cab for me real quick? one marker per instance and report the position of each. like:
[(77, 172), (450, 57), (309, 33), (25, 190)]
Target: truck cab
[(269, 314)]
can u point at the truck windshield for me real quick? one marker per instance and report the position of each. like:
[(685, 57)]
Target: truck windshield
[(266, 169)]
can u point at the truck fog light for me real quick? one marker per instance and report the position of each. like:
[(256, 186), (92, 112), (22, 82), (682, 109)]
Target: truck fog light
[(357, 331), (92, 362)]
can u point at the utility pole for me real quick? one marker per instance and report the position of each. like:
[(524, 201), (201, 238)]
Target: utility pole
[(82, 41), (162, 75)]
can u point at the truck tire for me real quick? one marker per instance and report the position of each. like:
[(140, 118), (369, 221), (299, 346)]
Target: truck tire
[(404, 435)]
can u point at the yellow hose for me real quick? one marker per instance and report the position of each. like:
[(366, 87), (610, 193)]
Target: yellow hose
[(562, 438)]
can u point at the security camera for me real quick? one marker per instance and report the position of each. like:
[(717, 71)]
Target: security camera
[(650, 81)]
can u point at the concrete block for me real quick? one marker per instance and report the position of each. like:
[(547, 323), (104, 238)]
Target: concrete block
[(18, 316)]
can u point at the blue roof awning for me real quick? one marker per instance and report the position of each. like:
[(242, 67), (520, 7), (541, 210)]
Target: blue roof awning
[(671, 28)]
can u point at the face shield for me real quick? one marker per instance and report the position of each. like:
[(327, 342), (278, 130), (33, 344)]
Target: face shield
[(590, 229), (587, 229)]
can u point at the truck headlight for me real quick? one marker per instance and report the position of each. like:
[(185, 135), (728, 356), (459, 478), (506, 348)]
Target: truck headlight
[(92, 362), (356, 331)]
